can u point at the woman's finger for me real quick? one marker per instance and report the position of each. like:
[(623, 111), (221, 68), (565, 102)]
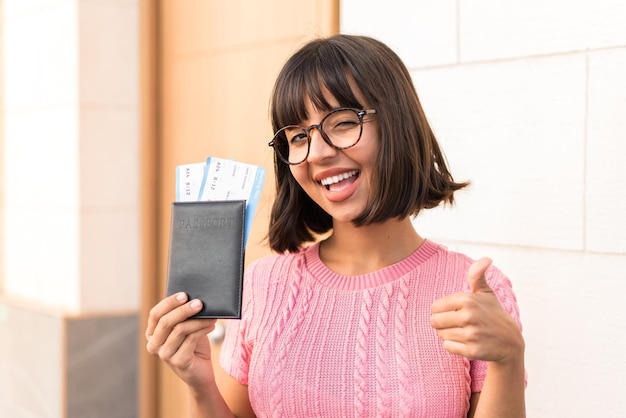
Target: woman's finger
[(181, 333), (443, 320), (194, 345), (448, 303), (163, 307), (166, 323)]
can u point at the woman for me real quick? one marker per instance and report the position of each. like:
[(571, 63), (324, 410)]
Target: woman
[(358, 315)]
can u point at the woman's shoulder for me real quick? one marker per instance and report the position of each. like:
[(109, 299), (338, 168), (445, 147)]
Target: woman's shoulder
[(277, 259), (451, 259), (275, 265), (457, 261), (270, 277)]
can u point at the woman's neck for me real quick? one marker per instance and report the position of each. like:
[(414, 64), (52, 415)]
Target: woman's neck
[(354, 250)]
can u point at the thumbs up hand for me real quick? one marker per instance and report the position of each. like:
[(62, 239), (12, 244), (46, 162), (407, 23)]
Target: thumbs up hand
[(476, 276), (474, 324)]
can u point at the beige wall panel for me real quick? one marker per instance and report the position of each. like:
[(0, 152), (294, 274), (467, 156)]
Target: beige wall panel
[(1, 147), (201, 26), (148, 70), (217, 65)]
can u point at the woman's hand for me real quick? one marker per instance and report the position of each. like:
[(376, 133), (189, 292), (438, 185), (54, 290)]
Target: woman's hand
[(474, 324), (182, 343)]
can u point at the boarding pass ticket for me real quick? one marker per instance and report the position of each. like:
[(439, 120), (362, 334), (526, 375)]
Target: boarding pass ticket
[(221, 179)]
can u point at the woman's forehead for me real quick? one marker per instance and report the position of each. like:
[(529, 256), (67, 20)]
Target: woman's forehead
[(326, 96), (321, 90)]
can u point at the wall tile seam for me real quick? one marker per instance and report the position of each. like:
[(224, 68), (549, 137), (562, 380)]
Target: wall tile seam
[(503, 60), (91, 105), (113, 4), (101, 314), (72, 106), (32, 306), (36, 10), (585, 151), (108, 209), (39, 108), (457, 16), (526, 248)]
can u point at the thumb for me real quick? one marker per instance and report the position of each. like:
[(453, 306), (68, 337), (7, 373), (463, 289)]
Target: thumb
[(476, 276)]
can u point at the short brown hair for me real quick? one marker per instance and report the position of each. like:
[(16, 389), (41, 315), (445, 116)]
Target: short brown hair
[(412, 172)]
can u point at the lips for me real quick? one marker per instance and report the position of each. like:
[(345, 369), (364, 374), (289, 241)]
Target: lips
[(330, 181)]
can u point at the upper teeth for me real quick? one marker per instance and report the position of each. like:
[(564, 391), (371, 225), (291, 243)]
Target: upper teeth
[(336, 179)]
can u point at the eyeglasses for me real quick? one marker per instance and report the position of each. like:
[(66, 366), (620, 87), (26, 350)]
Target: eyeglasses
[(341, 129)]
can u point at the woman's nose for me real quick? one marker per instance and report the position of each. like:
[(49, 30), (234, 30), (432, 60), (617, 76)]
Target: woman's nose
[(319, 149)]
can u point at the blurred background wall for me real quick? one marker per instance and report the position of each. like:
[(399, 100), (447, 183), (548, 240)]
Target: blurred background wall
[(101, 99), (529, 101), (70, 208), (217, 62)]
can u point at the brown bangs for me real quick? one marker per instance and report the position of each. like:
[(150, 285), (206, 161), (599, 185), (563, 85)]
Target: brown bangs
[(320, 65)]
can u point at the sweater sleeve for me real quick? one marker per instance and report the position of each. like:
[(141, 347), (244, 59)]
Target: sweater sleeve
[(503, 289)]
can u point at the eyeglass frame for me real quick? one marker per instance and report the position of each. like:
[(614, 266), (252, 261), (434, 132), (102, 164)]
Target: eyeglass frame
[(307, 131)]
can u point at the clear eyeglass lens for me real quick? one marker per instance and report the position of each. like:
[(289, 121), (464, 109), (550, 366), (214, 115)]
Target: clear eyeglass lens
[(292, 144), (342, 128)]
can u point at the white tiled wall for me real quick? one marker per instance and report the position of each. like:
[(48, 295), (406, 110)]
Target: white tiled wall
[(529, 102), (606, 152), (69, 207), (424, 33), (109, 155), (40, 152), (71, 153), (495, 30), (516, 130)]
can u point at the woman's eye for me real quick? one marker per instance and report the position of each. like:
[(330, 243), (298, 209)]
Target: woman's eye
[(345, 124), (298, 139)]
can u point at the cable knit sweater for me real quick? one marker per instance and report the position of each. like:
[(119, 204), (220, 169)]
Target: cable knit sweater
[(313, 343)]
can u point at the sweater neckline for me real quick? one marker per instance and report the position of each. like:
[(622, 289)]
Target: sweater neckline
[(325, 276)]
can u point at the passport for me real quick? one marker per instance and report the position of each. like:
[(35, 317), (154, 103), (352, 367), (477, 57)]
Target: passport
[(206, 255)]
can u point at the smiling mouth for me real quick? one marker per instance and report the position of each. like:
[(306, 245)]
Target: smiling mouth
[(329, 181)]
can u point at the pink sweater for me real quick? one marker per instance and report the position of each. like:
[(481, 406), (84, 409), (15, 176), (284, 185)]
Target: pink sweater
[(313, 343)]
